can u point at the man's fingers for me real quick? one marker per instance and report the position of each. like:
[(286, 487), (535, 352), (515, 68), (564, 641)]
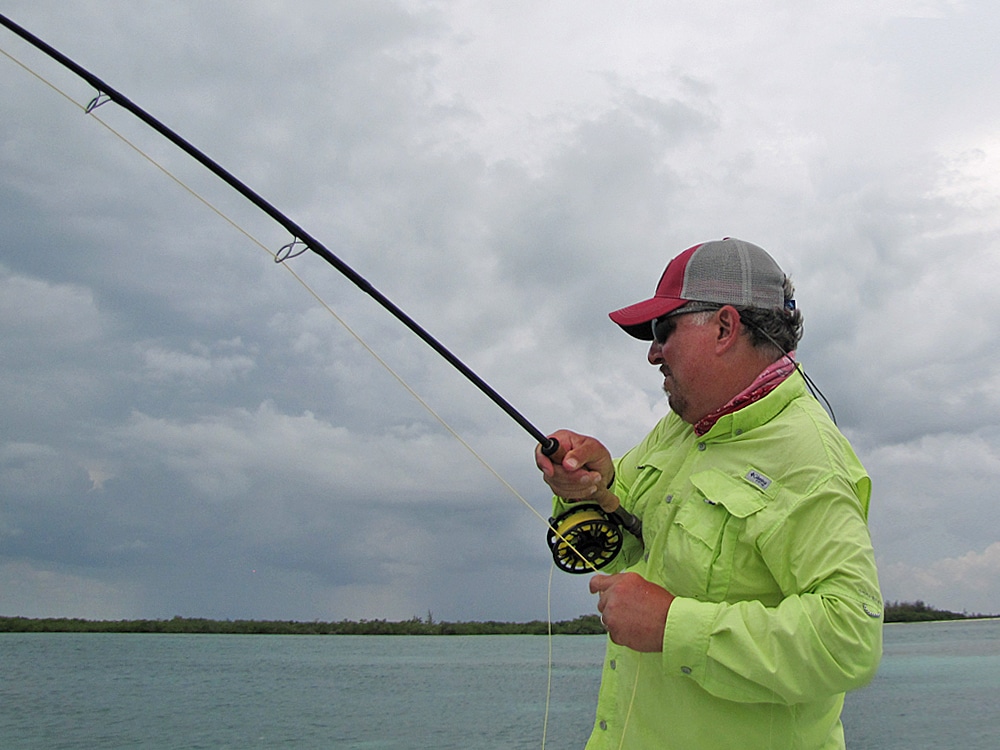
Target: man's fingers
[(543, 462), (600, 583)]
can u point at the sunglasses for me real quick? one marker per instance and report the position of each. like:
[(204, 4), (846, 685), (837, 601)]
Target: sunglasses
[(664, 325)]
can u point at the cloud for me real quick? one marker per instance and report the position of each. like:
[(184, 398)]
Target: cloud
[(966, 584), (202, 364), (40, 592), (178, 412), (933, 502), (59, 314)]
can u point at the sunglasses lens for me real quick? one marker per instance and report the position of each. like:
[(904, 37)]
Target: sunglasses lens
[(662, 328), (665, 325)]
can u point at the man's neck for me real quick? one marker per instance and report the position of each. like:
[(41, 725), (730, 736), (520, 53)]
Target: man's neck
[(762, 384)]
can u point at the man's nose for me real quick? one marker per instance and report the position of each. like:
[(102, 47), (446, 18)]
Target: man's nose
[(655, 354)]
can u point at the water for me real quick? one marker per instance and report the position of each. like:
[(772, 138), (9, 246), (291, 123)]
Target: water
[(939, 687), (194, 691)]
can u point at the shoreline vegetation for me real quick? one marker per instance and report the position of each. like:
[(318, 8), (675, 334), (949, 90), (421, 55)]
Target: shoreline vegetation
[(583, 625), (919, 612)]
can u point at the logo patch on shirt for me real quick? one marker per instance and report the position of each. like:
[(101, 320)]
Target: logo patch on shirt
[(872, 607), (872, 612), (755, 477)]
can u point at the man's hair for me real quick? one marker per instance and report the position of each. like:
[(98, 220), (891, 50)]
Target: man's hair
[(775, 328)]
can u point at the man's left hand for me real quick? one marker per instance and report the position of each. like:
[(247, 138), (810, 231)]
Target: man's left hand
[(633, 610)]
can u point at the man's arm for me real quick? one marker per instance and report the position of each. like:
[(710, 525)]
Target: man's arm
[(823, 638)]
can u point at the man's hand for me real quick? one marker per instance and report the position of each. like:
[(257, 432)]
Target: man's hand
[(580, 468), (633, 610)]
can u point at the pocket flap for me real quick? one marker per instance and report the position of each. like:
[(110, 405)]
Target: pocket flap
[(737, 496)]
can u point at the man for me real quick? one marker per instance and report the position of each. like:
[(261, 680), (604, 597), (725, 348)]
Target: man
[(751, 604)]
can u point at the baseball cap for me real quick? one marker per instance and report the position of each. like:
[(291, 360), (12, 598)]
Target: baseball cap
[(726, 272)]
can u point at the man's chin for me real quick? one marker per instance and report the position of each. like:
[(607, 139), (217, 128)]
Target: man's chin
[(677, 405), (671, 399)]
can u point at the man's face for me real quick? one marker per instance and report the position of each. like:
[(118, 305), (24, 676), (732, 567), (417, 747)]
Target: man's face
[(682, 354)]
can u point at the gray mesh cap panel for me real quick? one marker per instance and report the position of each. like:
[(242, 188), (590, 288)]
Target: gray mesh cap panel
[(734, 272)]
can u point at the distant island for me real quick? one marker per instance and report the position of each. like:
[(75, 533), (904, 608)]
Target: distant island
[(583, 625), (919, 612)]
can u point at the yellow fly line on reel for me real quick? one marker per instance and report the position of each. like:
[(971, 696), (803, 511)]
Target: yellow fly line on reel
[(584, 538)]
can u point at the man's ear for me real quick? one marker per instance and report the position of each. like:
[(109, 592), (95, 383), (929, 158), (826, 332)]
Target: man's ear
[(728, 321)]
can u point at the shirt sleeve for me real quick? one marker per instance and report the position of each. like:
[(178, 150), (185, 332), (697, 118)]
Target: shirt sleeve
[(824, 637)]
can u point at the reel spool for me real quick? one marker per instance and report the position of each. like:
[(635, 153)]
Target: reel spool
[(596, 538)]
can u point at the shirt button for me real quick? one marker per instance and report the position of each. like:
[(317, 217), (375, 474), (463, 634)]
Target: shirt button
[(613, 664), (602, 724), (669, 498), (701, 446), (686, 670)]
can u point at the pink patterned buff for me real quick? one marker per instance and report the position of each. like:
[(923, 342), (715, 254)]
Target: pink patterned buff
[(769, 379)]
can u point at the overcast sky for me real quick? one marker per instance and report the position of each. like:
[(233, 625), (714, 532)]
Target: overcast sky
[(185, 430)]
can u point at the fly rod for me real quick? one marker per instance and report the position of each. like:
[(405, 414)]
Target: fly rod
[(107, 93), (575, 533)]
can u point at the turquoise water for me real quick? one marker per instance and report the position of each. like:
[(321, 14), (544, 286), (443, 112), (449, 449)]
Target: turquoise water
[(939, 687), (192, 691)]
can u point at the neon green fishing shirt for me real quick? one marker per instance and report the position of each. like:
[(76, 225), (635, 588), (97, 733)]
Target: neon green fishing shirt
[(759, 528)]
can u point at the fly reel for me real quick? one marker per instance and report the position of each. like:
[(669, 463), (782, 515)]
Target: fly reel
[(584, 538)]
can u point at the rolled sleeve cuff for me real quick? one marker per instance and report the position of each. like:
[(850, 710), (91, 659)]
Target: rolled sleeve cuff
[(686, 635)]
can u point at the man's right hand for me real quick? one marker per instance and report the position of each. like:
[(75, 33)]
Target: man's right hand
[(580, 468)]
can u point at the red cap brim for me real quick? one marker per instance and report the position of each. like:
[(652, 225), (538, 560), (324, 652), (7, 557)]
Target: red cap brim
[(635, 319)]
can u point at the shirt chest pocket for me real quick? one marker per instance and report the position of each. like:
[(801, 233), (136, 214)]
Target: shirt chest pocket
[(706, 529)]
